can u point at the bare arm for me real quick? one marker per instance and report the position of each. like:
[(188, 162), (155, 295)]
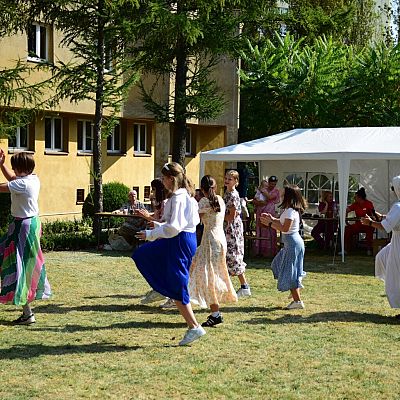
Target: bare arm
[(7, 172), (275, 223), (4, 188), (231, 214)]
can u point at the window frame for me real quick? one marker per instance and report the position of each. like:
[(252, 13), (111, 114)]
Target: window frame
[(111, 137), (84, 135), (143, 149), (38, 43), (17, 139), (52, 139)]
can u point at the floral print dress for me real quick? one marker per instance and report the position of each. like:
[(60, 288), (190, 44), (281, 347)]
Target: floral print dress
[(234, 235), (209, 281)]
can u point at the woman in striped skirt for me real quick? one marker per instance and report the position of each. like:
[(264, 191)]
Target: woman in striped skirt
[(22, 270), (287, 266)]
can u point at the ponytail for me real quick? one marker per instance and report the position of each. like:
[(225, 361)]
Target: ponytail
[(208, 185)]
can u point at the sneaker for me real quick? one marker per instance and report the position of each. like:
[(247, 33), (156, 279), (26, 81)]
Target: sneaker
[(169, 303), (25, 320), (244, 292), (191, 335), (107, 247), (295, 305), (212, 321), (151, 297)]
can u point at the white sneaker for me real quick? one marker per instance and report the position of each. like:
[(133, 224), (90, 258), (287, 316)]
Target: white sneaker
[(192, 334), (151, 297), (295, 305), (169, 303), (107, 247), (244, 292), (25, 320)]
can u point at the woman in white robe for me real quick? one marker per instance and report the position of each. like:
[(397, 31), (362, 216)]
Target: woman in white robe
[(387, 261)]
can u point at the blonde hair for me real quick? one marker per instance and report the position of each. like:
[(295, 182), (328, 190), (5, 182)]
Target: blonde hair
[(180, 180), (261, 184), (325, 194), (234, 174)]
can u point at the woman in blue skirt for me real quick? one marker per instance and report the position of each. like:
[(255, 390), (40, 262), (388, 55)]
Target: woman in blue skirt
[(165, 261), (287, 266)]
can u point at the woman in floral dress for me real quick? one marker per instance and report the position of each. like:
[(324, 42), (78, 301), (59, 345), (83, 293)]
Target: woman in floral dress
[(234, 233), (209, 282)]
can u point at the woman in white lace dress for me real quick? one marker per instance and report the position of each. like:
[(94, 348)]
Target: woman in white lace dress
[(209, 282)]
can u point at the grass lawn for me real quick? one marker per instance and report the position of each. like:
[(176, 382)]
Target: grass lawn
[(93, 339)]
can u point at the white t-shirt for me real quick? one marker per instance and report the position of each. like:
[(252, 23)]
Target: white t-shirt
[(290, 213), (392, 220), (24, 196), (181, 214)]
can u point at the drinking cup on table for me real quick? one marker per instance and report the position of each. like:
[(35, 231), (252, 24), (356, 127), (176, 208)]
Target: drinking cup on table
[(125, 211)]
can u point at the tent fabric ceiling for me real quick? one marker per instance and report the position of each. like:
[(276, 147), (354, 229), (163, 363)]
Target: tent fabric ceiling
[(340, 144), (318, 143)]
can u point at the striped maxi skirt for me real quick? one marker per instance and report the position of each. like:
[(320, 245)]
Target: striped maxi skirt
[(22, 271)]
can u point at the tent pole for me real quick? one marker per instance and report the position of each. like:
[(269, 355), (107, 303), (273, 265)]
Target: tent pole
[(343, 165)]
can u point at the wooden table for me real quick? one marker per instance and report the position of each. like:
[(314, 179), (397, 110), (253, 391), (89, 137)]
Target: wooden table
[(109, 215)]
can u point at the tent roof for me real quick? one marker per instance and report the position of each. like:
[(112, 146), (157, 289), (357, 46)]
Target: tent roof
[(318, 144)]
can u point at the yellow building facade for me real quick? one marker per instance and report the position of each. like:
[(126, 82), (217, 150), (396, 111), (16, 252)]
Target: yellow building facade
[(133, 154)]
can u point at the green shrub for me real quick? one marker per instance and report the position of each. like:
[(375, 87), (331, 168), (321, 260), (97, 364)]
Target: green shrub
[(114, 195), (5, 212), (67, 235)]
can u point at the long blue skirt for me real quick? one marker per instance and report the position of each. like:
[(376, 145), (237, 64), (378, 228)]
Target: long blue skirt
[(287, 266), (165, 264)]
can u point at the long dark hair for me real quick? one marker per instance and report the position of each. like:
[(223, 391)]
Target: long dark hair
[(208, 185), (160, 192), (292, 198)]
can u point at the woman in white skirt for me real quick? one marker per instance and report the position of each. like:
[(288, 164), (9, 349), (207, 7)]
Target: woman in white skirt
[(387, 261)]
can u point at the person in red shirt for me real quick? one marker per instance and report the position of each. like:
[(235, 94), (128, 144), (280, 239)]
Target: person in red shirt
[(361, 207)]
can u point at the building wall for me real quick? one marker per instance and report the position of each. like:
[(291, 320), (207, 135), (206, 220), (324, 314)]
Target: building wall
[(62, 173)]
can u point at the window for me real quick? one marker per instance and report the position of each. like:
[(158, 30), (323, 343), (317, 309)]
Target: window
[(114, 140), (312, 184), (53, 133), (147, 191), (137, 190), (190, 148), (140, 138), (80, 196), (38, 42), (317, 183), (85, 136), (20, 140), (189, 142), (297, 179)]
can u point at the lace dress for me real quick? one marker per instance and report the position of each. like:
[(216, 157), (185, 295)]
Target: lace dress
[(209, 281)]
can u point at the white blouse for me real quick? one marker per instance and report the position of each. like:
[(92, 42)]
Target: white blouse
[(181, 214), (290, 213), (392, 220)]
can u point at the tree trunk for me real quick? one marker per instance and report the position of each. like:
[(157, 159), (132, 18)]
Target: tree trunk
[(180, 106), (98, 120)]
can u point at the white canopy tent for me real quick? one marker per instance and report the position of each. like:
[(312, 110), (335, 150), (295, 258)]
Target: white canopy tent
[(371, 152)]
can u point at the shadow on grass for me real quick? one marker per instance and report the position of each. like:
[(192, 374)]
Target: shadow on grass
[(122, 325), (36, 350), (319, 262), (115, 296), (108, 308), (331, 316)]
